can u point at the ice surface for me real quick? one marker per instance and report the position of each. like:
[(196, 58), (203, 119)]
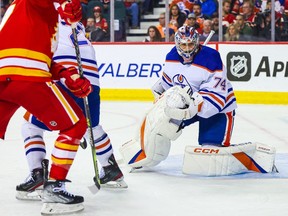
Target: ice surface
[(163, 190)]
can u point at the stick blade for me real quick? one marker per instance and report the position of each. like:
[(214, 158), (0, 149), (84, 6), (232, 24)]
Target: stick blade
[(96, 187), (93, 189)]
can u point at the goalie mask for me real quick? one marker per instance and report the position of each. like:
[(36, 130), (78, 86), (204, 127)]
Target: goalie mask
[(187, 43)]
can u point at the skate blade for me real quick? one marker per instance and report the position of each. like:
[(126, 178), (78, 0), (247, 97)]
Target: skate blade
[(134, 169), (61, 209), (115, 184), (32, 196)]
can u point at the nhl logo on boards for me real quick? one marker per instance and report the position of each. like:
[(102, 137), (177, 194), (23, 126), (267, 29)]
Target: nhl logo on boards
[(239, 66), (238, 69)]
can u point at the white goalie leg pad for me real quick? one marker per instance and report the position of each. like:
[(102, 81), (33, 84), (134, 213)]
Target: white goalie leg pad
[(153, 139), (155, 151), (235, 159), (60, 209)]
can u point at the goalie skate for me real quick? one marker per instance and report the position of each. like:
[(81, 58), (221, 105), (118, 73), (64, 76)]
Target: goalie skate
[(56, 200), (111, 176)]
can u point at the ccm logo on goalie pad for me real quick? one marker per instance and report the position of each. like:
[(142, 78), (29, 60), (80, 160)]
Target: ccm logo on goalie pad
[(206, 150), (243, 158)]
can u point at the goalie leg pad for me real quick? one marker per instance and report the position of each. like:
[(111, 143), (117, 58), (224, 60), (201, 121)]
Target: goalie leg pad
[(236, 159), (153, 139), (156, 150)]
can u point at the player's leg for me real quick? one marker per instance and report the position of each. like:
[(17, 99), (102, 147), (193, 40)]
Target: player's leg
[(110, 171), (58, 111), (104, 148), (153, 139), (35, 179), (35, 153), (213, 132), (216, 157), (216, 130)]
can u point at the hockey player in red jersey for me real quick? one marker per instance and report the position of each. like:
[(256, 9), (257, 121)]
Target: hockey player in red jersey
[(33, 129), (26, 74)]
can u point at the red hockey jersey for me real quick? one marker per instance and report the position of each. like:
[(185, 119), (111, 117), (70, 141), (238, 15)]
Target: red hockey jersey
[(28, 35)]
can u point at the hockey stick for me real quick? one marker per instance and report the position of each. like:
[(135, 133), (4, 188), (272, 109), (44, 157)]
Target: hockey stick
[(88, 115), (209, 37)]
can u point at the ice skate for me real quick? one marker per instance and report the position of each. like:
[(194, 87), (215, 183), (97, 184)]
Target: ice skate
[(56, 200), (32, 188), (111, 176)]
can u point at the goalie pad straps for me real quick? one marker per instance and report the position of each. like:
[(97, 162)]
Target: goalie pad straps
[(219, 161)]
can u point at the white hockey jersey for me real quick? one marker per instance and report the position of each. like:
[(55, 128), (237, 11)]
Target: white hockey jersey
[(206, 75), (66, 55)]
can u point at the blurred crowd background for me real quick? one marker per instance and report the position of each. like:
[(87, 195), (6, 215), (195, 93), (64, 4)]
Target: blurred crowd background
[(158, 20)]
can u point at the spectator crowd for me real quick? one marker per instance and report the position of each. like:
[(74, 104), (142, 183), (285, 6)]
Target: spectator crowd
[(242, 20)]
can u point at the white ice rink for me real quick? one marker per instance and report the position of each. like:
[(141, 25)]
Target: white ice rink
[(163, 190)]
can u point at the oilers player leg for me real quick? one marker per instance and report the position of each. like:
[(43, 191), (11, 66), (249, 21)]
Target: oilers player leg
[(31, 188), (219, 133), (217, 157), (110, 174)]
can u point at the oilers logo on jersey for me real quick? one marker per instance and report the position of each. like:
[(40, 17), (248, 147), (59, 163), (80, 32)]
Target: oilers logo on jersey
[(181, 80)]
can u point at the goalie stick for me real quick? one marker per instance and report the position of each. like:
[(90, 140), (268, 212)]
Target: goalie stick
[(88, 115), (209, 37)]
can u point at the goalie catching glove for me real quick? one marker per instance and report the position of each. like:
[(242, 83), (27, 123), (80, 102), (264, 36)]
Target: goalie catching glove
[(79, 86), (182, 103), (70, 11)]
